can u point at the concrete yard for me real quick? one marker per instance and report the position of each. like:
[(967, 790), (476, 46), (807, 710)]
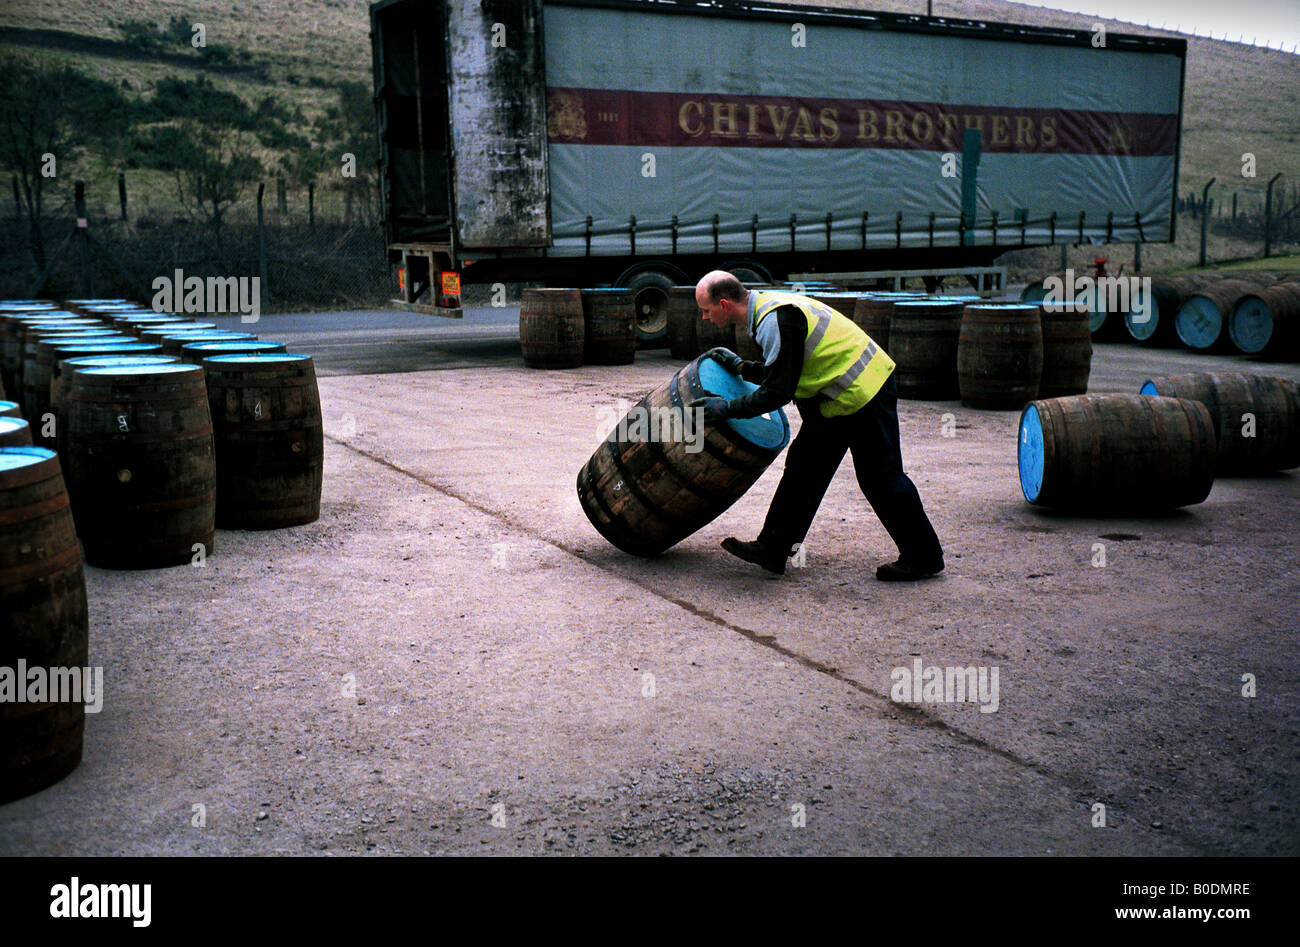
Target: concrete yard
[(452, 660)]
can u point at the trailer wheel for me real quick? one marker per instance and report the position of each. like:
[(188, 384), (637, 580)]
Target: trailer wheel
[(747, 271), (650, 298)]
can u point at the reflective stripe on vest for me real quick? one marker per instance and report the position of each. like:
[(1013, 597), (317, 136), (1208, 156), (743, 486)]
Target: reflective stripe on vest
[(841, 362)]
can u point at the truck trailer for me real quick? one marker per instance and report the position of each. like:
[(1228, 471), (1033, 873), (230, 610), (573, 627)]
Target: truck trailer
[(641, 143)]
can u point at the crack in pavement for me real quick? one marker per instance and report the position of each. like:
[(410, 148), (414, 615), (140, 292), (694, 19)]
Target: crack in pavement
[(885, 707)]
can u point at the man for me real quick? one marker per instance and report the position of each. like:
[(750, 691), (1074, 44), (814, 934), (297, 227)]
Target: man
[(842, 384)]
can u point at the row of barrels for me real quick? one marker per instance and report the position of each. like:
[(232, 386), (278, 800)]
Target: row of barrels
[(1161, 448), (989, 354), (164, 431), (1247, 314), (566, 328)]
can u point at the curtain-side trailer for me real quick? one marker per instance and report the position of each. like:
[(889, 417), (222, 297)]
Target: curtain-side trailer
[(641, 143)]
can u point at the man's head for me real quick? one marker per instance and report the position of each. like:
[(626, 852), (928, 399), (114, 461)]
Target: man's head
[(721, 298)]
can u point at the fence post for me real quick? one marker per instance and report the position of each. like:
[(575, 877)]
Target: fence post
[(18, 212), (1137, 257), (281, 196), (83, 224), (1234, 208), (1268, 214), (311, 205), (121, 192), (1205, 218), (261, 241)]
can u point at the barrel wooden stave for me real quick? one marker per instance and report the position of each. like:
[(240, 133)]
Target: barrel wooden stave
[(1274, 403), (551, 328), (923, 339), (646, 496), (609, 327), (1067, 352), (270, 441), (141, 465), (999, 356), (1119, 453), (43, 599)]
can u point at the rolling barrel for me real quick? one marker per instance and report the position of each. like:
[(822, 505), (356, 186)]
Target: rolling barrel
[(609, 327), (923, 338), (1000, 355), (1116, 453), (652, 482), (141, 468), (551, 328), (43, 601), (1256, 417), (1267, 322), (270, 442)]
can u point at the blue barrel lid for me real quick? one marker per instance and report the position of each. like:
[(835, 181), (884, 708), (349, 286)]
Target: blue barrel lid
[(99, 302), (155, 368), (1199, 323), (261, 357), (244, 345), (11, 458), (121, 360), (771, 431), (1004, 307), (209, 335), (1251, 325), (9, 423), (1030, 453), (123, 345), (1149, 388)]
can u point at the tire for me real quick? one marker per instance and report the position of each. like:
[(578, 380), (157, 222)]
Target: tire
[(747, 271), (650, 299)]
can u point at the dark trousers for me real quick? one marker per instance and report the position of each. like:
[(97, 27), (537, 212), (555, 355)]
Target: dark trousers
[(872, 436)]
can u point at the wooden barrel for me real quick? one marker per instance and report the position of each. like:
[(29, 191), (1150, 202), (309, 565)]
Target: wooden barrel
[(1256, 417), (140, 464), (35, 380), (38, 366), (91, 356), (874, 311), (1267, 322), (658, 477), (195, 352), (172, 344), (923, 338), (1116, 453), (609, 326), (551, 328), (43, 601), (270, 442), (13, 329), (10, 409), (1067, 351), (1153, 310), (1202, 322), (1000, 355), (15, 432), (683, 315), (137, 324)]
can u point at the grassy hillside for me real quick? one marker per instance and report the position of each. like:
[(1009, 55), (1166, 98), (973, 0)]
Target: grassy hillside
[(1238, 98)]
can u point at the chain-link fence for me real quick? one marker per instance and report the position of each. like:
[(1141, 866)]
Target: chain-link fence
[(304, 261)]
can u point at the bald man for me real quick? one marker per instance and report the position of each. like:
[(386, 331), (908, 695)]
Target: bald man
[(842, 383)]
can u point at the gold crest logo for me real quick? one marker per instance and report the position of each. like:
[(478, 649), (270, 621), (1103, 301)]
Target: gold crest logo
[(566, 117)]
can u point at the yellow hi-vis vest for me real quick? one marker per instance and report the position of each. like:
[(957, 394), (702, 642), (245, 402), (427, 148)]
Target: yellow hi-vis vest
[(840, 361)]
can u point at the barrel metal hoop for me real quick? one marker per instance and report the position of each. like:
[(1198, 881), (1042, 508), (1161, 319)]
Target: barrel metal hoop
[(611, 529)]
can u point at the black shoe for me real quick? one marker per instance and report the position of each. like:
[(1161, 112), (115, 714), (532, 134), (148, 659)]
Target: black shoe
[(901, 571), (773, 560)]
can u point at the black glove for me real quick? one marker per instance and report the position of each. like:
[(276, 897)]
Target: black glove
[(715, 409), (726, 358)]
